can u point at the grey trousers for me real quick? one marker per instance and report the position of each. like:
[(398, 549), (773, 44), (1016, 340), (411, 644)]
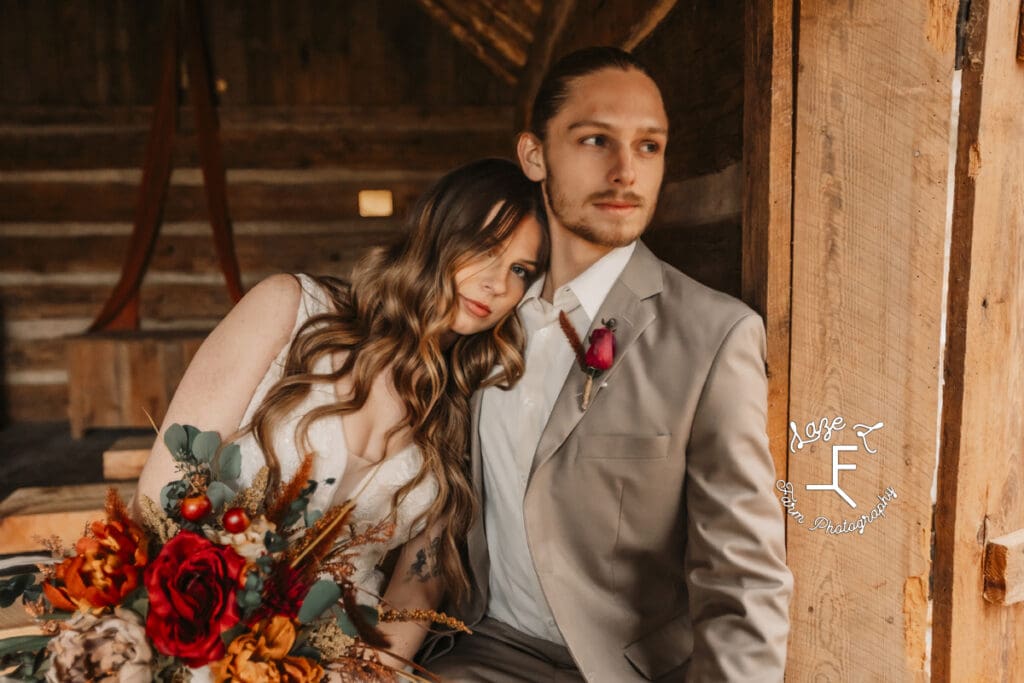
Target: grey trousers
[(498, 653)]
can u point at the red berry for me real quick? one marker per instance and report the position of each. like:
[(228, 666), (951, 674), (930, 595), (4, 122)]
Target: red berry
[(194, 508), (235, 521)]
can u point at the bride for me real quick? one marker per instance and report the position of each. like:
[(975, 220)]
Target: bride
[(374, 377)]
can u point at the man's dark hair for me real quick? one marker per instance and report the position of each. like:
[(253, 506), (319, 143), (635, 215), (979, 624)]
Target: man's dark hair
[(554, 89)]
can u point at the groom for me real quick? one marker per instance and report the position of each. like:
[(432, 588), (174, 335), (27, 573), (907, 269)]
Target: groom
[(629, 530)]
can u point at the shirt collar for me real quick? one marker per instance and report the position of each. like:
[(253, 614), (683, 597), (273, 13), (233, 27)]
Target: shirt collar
[(592, 285)]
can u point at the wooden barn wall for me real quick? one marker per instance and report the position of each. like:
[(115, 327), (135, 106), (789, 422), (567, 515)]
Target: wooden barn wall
[(872, 159), (696, 55), (318, 101), (979, 488)]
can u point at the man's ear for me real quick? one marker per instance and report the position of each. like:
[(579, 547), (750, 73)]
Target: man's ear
[(530, 151)]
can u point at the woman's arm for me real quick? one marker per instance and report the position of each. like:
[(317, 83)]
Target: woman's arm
[(222, 377), (416, 583)]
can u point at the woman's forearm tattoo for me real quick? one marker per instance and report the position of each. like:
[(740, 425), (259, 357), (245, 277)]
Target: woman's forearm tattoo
[(426, 565)]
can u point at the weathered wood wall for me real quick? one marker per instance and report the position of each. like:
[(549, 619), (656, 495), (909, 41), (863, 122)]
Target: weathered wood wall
[(980, 474), (318, 101), (872, 155)]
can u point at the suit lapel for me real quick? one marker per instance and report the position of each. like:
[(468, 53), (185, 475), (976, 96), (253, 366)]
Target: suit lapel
[(627, 303)]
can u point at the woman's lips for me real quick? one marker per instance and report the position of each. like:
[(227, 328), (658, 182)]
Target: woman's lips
[(476, 308)]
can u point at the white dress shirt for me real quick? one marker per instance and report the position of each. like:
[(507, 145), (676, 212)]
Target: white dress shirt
[(511, 424)]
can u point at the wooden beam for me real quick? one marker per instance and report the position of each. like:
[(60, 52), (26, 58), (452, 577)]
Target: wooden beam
[(468, 38), (871, 163), (1004, 569), (645, 25), (980, 465), (767, 191), (484, 22), (546, 36)]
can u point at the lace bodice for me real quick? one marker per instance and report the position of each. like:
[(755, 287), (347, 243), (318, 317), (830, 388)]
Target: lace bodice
[(327, 437)]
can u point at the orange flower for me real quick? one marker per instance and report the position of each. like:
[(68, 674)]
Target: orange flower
[(262, 655), (106, 567)]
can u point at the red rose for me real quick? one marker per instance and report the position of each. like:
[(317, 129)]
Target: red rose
[(601, 353), (192, 585)]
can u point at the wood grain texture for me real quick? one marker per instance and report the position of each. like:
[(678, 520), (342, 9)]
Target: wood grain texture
[(767, 192), (872, 138), (979, 482), (62, 511), (115, 379)]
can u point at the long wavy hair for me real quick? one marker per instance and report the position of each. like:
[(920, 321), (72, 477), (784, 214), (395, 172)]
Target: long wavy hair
[(392, 317)]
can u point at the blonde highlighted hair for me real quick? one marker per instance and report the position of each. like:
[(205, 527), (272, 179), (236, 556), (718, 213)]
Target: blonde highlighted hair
[(392, 318)]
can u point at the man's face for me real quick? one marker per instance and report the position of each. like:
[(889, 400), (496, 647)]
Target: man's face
[(604, 156)]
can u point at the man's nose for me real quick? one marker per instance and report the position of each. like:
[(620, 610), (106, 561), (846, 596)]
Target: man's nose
[(623, 172)]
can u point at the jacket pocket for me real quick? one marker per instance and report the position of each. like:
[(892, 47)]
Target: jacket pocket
[(624, 446), (666, 648)]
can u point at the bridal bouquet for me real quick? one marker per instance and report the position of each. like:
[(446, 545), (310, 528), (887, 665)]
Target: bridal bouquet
[(215, 584)]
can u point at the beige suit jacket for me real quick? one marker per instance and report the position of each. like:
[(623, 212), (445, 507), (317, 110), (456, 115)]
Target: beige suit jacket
[(651, 517)]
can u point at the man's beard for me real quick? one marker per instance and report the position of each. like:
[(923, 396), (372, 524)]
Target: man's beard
[(560, 207)]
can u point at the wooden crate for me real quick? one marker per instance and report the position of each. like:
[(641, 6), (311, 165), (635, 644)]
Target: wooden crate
[(115, 378)]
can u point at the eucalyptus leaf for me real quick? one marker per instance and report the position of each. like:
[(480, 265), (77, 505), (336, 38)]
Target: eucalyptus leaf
[(192, 432), (229, 464), (11, 589), (312, 516), (219, 494), (9, 646), (176, 439), (205, 446), (346, 625), (321, 596)]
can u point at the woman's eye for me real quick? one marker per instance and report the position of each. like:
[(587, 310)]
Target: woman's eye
[(520, 271)]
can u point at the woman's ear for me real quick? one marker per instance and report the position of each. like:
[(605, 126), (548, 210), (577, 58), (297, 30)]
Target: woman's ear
[(530, 151)]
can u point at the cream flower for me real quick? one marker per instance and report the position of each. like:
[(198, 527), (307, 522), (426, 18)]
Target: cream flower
[(249, 543), (111, 649)]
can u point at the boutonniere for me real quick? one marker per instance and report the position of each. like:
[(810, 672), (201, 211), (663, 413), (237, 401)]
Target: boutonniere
[(597, 358)]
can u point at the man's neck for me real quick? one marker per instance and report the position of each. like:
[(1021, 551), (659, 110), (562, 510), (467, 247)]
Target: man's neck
[(570, 256)]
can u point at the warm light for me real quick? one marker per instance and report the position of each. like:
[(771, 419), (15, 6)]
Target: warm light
[(375, 203)]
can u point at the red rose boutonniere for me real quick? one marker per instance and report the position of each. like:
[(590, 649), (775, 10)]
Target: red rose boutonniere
[(595, 359)]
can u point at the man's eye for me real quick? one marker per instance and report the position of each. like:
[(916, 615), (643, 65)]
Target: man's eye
[(595, 140), (650, 147)]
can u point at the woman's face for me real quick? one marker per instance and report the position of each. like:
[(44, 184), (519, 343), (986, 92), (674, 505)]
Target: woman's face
[(490, 285)]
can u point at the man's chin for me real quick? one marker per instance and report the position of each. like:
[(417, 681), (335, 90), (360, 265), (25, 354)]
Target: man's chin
[(612, 236)]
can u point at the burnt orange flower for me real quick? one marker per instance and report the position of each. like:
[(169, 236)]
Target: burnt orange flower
[(107, 566), (262, 655)]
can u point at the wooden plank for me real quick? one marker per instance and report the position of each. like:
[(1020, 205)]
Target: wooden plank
[(983, 399), (767, 194), (257, 254), (44, 511), (549, 29), (872, 139), (34, 402), (31, 148), (115, 379), (126, 457), (697, 56), (114, 201), (505, 40), (1004, 569), (624, 23), (465, 35)]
